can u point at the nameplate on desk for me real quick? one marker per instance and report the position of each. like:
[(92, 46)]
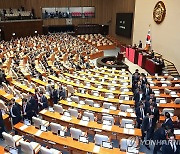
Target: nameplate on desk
[(23, 127), (65, 118), (126, 131), (177, 132), (174, 96), (43, 111), (38, 133), (105, 110), (106, 99), (96, 149), (124, 114), (79, 106), (84, 123), (106, 127)]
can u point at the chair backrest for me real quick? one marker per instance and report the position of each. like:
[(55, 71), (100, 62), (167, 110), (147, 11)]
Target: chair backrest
[(109, 118), (90, 115), (45, 150), (170, 110), (177, 101), (167, 91), (125, 143), (124, 97), (124, 107), (75, 99), (58, 108), (109, 95), (55, 127), (126, 121), (75, 133), (100, 138), (36, 121), (89, 102), (107, 105), (73, 112), (9, 139), (26, 147)]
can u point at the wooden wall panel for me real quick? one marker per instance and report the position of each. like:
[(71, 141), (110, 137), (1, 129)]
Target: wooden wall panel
[(121, 6), (10, 3)]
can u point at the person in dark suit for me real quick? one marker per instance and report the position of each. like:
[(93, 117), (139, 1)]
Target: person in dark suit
[(138, 97), (152, 96), (15, 113), (140, 114), (168, 121), (62, 92), (1, 125), (34, 104), (170, 147), (43, 101), (54, 95), (148, 125), (26, 110), (177, 123), (159, 135), (155, 110), (147, 90), (140, 44)]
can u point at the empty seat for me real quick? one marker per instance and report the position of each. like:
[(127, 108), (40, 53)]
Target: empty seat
[(108, 118), (107, 105), (76, 133), (126, 121), (57, 127), (109, 95), (49, 151), (177, 101), (89, 114), (98, 139), (125, 143), (58, 108), (75, 99), (73, 112), (124, 107), (89, 102), (10, 140), (30, 147), (39, 122)]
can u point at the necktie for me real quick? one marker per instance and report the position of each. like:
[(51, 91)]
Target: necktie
[(142, 113), (150, 122)]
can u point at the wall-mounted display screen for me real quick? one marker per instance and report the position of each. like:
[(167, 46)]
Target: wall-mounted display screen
[(68, 12), (124, 24)]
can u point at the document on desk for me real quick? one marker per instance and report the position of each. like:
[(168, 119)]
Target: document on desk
[(38, 133), (126, 131), (177, 132), (23, 127), (120, 101), (174, 95), (65, 118), (106, 127), (124, 114), (96, 149), (131, 131), (105, 110), (43, 111), (84, 123)]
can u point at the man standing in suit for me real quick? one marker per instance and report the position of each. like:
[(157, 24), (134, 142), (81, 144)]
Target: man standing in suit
[(140, 114), (15, 113), (147, 90), (26, 110), (154, 110), (43, 101), (54, 95), (168, 121), (138, 97), (159, 135), (148, 125), (171, 147), (34, 104)]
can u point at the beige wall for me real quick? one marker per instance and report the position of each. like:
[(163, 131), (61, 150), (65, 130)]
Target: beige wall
[(165, 37)]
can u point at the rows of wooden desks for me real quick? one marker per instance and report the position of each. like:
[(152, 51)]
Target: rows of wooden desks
[(66, 143), (114, 131), (117, 92)]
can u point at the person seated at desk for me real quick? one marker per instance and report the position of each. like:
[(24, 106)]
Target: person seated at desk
[(177, 122)]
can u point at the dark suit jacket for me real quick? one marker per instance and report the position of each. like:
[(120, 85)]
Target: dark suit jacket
[(28, 111), (137, 97), (156, 113), (146, 124), (145, 91), (54, 96), (34, 104), (44, 101), (160, 134), (169, 123), (148, 98), (138, 114), (167, 149), (16, 112)]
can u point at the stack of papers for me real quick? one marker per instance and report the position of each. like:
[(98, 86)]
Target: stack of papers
[(65, 118), (23, 127), (124, 114), (38, 133), (84, 123), (96, 149), (106, 127)]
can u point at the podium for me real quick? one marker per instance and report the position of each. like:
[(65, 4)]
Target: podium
[(142, 59), (153, 67)]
